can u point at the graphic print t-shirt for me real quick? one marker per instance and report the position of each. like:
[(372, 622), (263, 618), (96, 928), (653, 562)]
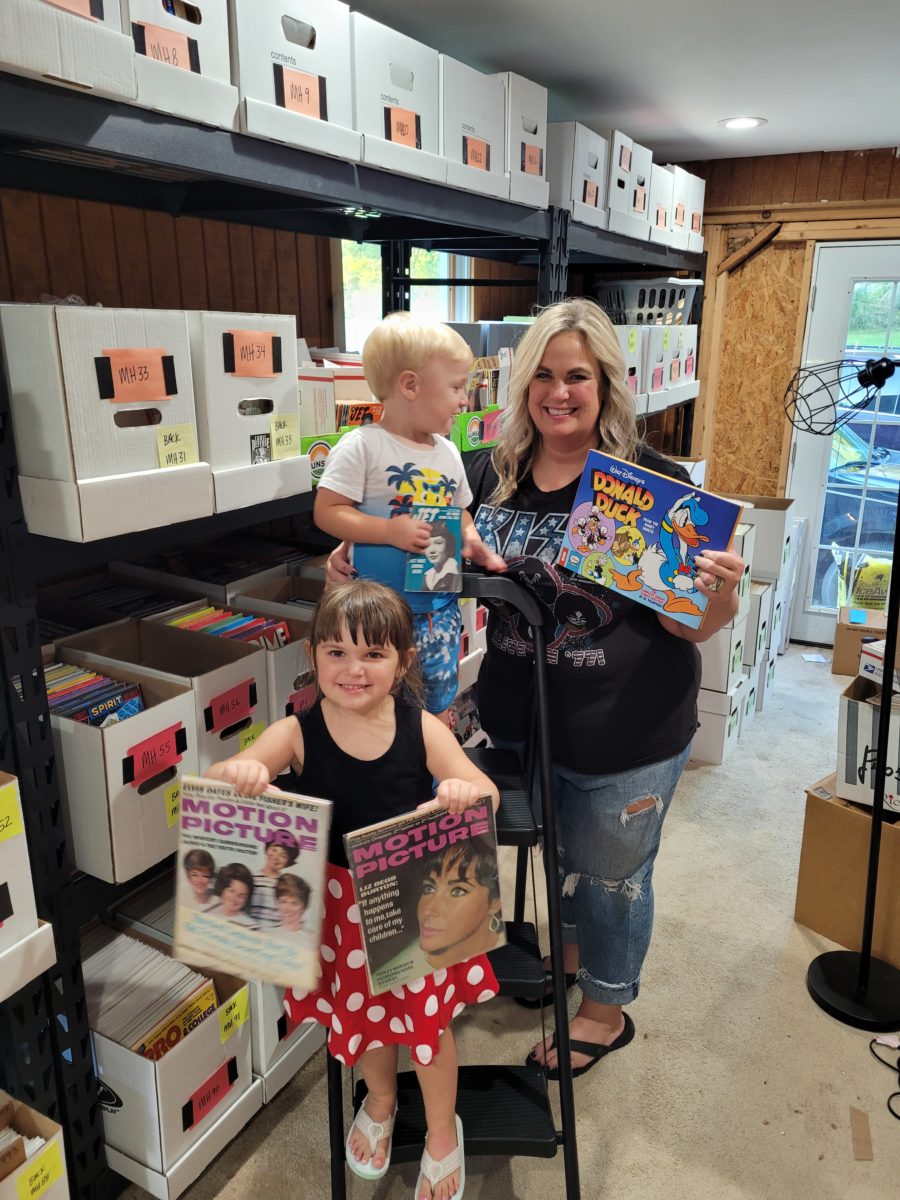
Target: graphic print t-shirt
[(622, 690), (384, 476)]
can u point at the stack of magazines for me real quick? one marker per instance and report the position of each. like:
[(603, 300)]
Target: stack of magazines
[(138, 996)]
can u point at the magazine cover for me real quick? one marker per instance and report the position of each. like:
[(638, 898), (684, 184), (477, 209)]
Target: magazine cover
[(250, 880), (637, 533), (439, 567), (428, 889)]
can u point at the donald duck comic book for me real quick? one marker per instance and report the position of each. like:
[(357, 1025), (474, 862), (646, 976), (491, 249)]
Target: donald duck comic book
[(638, 532)]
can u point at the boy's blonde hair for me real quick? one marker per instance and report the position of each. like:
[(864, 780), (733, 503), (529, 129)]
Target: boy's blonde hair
[(401, 342)]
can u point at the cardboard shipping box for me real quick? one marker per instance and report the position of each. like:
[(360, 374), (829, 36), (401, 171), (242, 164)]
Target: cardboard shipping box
[(854, 624), (858, 722), (831, 884)]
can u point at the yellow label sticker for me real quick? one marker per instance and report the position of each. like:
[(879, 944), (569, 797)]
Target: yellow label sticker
[(632, 341), (285, 435), (666, 338), (233, 1014), (40, 1173), (10, 813), (177, 445), (248, 736), (172, 801)]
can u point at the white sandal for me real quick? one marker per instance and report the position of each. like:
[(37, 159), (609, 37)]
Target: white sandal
[(374, 1131), (434, 1172)]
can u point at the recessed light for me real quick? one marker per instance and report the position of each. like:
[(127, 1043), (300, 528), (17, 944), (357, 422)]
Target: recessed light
[(743, 122)]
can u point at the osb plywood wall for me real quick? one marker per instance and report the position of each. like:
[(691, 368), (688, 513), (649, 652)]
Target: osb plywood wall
[(129, 257)]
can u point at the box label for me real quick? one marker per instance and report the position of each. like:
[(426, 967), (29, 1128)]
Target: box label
[(41, 1173), (233, 1014), (301, 92), (152, 756), (129, 375), (476, 153), (679, 214), (248, 736), (10, 813), (531, 159), (590, 193), (176, 445), (403, 126), (92, 9), (285, 435), (251, 353), (172, 801), (166, 46), (208, 1095)]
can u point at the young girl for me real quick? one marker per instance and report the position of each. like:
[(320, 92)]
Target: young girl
[(371, 751)]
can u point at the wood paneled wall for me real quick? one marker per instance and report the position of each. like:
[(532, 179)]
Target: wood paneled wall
[(134, 258)]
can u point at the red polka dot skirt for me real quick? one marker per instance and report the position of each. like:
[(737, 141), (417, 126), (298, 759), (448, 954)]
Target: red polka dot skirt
[(413, 1015)]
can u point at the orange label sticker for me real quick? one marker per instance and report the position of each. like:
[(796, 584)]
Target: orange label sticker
[(251, 354), (166, 46), (403, 126), (134, 374), (476, 153), (300, 92), (640, 199), (679, 214), (591, 193), (532, 159), (81, 8), (695, 222), (625, 158)]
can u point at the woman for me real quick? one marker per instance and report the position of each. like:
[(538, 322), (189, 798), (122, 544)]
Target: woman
[(622, 680), (234, 889)]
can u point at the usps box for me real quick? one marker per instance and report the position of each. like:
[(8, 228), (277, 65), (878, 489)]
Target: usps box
[(526, 140), (773, 520), (245, 372), (291, 63), (697, 195), (119, 784), (722, 657), (765, 682), (578, 168), (756, 638), (395, 100), (662, 184), (103, 407), (473, 128), (719, 714), (18, 915), (631, 343), (44, 1174), (228, 678), (858, 722), (172, 572), (183, 67), (82, 47), (629, 187), (321, 389)]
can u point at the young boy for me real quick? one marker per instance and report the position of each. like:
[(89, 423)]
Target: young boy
[(418, 370)]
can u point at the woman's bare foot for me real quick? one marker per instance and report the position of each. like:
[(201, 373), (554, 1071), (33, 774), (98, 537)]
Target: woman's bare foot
[(378, 1109), (439, 1142)]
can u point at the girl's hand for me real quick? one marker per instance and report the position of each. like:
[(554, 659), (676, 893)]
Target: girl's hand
[(248, 776), (339, 568), (456, 795)]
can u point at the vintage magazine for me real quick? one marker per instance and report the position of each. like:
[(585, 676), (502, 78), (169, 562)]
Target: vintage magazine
[(250, 881), (428, 889), (439, 567), (638, 532)]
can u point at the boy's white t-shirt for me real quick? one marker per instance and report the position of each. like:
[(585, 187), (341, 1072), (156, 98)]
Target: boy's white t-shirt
[(384, 476)]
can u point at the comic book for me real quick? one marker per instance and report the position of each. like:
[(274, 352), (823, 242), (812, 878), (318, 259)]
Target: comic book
[(638, 532), (439, 567), (250, 887), (428, 889)]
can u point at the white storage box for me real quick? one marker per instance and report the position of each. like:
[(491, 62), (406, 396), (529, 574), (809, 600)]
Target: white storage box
[(103, 405), (661, 189), (321, 389), (757, 635), (695, 214), (245, 372), (44, 1174), (719, 714), (858, 722), (629, 207), (526, 140), (119, 784), (82, 48), (473, 128), (772, 517), (291, 63), (722, 656), (648, 301), (766, 680), (395, 101), (578, 169), (18, 915), (183, 67), (631, 342)]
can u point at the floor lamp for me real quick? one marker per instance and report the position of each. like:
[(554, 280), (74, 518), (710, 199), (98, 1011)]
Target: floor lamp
[(852, 986)]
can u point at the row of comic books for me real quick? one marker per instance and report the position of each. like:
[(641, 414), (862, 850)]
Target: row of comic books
[(269, 632), (89, 696)]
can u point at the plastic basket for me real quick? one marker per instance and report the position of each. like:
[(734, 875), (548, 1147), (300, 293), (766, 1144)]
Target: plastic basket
[(648, 301)]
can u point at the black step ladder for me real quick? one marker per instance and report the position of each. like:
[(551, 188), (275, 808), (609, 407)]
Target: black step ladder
[(504, 1110)]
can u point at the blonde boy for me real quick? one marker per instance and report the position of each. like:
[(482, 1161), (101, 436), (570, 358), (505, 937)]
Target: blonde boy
[(418, 370)]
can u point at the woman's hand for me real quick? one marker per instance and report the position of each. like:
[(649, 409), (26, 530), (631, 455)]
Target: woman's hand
[(339, 568), (456, 795), (720, 573), (248, 776)]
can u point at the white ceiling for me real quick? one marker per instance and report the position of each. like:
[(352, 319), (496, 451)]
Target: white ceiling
[(824, 73)]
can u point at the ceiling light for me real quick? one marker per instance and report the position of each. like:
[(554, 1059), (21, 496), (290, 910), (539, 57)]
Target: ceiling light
[(743, 122)]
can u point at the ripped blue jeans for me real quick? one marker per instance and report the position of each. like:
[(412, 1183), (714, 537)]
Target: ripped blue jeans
[(608, 832)]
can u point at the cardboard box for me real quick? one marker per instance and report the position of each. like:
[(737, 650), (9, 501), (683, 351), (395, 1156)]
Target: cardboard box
[(119, 784), (185, 585), (757, 635), (719, 714), (858, 721), (473, 128), (854, 624), (526, 140), (44, 1174), (44, 42), (183, 67), (871, 664), (695, 214), (21, 962), (18, 915), (834, 861), (578, 171), (291, 63), (765, 680), (245, 380), (773, 519), (103, 404), (629, 187), (723, 657), (660, 204), (395, 100)]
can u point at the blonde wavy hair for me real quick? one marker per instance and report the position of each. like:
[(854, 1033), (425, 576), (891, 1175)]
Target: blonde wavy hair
[(402, 342), (617, 433)]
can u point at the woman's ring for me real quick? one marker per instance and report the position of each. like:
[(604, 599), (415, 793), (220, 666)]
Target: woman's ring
[(716, 583)]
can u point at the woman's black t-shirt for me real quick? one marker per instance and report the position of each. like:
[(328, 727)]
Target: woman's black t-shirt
[(622, 690)]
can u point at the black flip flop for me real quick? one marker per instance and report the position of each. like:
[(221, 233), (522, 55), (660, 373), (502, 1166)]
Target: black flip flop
[(593, 1049), (547, 998)]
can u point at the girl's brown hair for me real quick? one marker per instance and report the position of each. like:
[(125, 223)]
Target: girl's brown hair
[(376, 614)]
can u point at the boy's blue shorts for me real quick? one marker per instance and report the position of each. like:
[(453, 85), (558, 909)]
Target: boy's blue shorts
[(437, 635)]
